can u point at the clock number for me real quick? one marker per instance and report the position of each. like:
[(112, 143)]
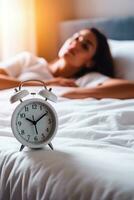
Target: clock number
[(26, 108), (34, 106), (28, 137), (19, 123), (46, 112), (22, 115), (22, 132), (49, 121), (43, 136), (40, 107), (47, 130), (35, 138)]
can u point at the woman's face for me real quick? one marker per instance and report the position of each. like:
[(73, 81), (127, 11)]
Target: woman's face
[(79, 50)]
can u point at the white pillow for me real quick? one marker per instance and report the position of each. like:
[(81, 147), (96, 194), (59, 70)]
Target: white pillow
[(123, 55)]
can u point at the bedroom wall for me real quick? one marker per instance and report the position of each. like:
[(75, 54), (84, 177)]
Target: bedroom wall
[(49, 14), (102, 8)]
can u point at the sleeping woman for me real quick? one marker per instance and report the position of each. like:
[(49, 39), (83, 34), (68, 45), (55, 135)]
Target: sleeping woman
[(84, 63)]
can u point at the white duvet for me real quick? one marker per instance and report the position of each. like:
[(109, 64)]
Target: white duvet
[(93, 157)]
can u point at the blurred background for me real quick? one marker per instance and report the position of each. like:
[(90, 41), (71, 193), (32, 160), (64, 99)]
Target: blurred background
[(33, 25)]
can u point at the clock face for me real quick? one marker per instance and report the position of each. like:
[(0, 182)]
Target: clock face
[(34, 122)]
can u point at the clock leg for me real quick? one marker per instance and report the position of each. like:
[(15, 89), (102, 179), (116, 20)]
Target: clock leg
[(22, 147), (51, 146)]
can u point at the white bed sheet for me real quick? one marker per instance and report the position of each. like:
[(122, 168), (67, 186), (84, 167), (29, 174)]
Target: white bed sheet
[(93, 157)]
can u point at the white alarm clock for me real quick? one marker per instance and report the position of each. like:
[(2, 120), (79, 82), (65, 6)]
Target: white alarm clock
[(34, 122)]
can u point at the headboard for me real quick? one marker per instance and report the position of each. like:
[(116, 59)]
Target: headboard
[(119, 28)]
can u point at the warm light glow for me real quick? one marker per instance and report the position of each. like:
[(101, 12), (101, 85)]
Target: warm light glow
[(18, 26), (49, 14), (32, 25)]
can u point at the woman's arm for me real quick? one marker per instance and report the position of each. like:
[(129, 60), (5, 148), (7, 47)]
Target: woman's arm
[(60, 81), (7, 82), (113, 88)]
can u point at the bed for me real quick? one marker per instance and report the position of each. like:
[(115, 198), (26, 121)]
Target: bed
[(93, 157)]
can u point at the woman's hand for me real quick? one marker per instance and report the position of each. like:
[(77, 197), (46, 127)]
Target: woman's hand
[(62, 82), (69, 95), (66, 82), (78, 93)]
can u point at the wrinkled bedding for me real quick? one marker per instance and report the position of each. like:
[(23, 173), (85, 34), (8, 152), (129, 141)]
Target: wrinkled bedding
[(93, 157)]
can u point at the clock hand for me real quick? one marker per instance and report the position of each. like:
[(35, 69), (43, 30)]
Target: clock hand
[(34, 122), (30, 120), (36, 129), (41, 117)]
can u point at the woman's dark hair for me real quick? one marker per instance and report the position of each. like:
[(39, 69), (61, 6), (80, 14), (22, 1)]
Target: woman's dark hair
[(102, 59)]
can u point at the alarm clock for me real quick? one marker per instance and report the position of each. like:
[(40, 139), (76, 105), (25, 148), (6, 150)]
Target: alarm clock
[(34, 121)]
